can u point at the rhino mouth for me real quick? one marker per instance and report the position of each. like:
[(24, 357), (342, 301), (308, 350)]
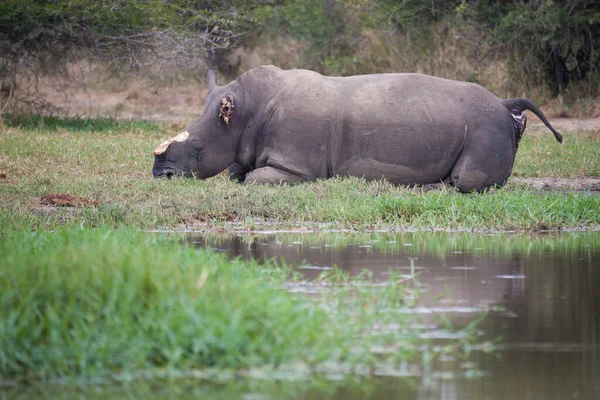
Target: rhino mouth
[(164, 173)]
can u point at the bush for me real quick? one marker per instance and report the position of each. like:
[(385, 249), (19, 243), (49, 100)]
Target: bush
[(551, 41), (546, 42)]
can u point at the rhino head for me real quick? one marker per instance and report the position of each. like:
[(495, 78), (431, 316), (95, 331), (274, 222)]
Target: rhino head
[(209, 145)]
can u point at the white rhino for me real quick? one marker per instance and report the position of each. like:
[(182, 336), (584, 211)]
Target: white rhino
[(274, 126)]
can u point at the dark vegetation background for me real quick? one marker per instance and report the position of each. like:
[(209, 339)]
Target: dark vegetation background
[(547, 50)]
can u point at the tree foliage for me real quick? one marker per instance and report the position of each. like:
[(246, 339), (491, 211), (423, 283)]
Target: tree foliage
[(557, 38), (554, 42), (137, 37), (551, 42)]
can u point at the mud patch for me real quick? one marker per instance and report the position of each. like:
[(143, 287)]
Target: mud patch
[(561, 184), (2, 176), (66, 200), (202, 221)]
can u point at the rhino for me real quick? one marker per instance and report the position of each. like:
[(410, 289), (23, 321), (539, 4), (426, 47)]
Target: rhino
[(276, 126)]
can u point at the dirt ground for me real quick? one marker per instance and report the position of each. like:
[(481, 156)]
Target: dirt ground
[(534, 125), (561, 184), (179, 104)]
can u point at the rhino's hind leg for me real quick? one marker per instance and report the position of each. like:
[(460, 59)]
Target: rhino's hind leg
[(467, 179), (483, 164), (273, 176)]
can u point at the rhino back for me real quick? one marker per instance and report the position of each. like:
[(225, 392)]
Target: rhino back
[(407, 128)]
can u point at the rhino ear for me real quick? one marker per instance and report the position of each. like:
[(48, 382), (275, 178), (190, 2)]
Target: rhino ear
[(226, 109), (211, 79)]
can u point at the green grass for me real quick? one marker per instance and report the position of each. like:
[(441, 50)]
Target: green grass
[(541, 156), (111, 165), (94, 303), (37, 122)]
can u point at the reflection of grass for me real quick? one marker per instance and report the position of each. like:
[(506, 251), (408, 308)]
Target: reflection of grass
[(80, 302), (223, 386), (434, 243), (109, 162)]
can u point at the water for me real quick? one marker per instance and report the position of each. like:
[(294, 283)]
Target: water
[(542, 294)]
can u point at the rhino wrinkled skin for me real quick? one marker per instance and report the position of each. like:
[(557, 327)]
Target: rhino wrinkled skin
[(275, 126)]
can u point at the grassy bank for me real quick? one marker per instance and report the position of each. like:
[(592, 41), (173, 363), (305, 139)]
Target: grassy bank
[(93, 303), (107, 163), (97, 306)]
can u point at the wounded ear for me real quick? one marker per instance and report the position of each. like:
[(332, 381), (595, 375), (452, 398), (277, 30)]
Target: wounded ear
[(226, 109), (164, 145)]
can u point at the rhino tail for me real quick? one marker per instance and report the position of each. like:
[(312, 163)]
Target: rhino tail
[(517, 108)]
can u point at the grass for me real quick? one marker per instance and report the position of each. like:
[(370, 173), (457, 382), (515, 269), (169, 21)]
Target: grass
[(110, 165), (94, 303), (540, 156), (37, 122)]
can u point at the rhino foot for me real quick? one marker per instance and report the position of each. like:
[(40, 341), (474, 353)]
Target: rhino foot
[(273, 176)]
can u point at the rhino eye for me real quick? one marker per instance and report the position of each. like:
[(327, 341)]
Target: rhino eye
[(196, 151)]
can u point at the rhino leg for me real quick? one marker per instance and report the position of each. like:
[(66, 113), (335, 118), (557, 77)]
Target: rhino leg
[(483, 163), (467, 179), (237, 172), (273, 176)]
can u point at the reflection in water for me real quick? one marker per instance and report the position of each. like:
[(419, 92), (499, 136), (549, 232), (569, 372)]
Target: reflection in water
[(544, 293)]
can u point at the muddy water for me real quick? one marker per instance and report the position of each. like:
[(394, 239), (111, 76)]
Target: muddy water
[(543, 294)]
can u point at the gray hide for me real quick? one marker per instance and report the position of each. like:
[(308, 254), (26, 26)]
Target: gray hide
[(276, 126)]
